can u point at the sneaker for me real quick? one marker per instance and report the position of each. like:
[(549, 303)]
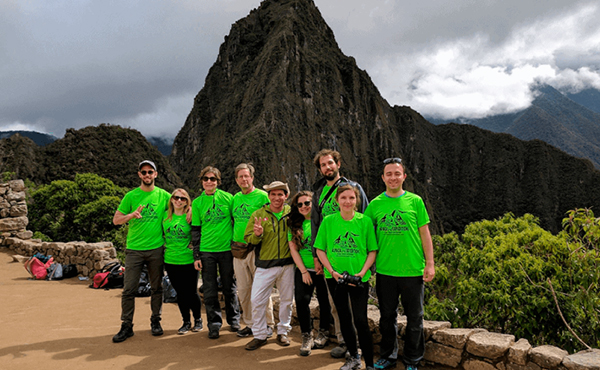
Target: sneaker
[(283, 340), (369, 368), (213, 333), (322, 339), (187, 326), (234, 328), (197, 325), (255, 344), (307, 344), (270, 331), (125, 332), (156, 328), (339, 351), (245, 332), (352, 363), (411, 367), (385, 363)]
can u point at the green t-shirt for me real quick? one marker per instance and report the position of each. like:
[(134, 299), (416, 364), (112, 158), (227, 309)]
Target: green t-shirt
[(397, 221), (213, 214), (243, 206), (330, 206), (347, 243), (178, 237), (145, 233), (305, 250)]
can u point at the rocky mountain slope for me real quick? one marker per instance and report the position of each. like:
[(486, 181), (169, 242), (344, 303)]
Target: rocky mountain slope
[(281, 89), (110, 151)]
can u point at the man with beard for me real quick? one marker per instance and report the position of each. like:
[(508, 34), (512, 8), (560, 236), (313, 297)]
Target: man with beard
[(245, 202), (144, 209), (268, 230), (324, 204)]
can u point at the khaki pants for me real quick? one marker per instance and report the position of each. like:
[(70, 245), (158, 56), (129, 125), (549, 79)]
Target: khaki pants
[(244, 275)]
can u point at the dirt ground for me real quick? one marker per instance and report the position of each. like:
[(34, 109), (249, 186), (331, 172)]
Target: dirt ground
[(65, 324)]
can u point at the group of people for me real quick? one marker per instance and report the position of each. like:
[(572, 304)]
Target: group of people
[(330, 240)]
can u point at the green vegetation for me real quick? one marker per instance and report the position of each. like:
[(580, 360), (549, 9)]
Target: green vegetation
[(501, 274), (78, 210)]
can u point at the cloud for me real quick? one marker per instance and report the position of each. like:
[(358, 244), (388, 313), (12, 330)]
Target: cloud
[(473, 76)]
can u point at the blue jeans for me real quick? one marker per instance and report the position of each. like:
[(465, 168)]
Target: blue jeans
[(411, 292), (223, 263)]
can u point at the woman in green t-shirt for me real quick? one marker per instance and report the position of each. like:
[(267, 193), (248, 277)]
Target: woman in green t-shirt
[(347, 247), (305, 277), (179, 260)]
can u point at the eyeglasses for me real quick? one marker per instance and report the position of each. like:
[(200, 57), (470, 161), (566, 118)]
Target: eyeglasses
[(149, 172), (181, 199), (392, 160), (303, 204), (206, 178)]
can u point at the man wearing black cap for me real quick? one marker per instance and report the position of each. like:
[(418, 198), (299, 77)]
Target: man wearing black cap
[(144, 209), (268, 229)]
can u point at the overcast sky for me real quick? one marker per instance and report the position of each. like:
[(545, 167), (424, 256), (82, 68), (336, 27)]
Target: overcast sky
[(71, 64)]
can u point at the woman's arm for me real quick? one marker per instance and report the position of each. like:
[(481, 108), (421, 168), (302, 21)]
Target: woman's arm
[(368, 263), (299, 263), (327, 265)]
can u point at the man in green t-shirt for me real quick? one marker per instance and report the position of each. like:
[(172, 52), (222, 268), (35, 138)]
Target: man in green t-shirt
[(404, 263), (245, 202), (144, 209), (212, 232), (328, 162)]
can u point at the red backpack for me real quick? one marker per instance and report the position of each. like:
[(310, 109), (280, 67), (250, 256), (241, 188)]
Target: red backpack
[(111, 276), (36, 268)]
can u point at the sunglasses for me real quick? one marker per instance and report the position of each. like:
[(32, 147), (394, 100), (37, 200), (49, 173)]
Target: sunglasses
[(181, 199), (206, 178), (392, 160), (149, 172), (303, 204)]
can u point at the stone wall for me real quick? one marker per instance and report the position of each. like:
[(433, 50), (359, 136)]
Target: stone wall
[(88, 257)]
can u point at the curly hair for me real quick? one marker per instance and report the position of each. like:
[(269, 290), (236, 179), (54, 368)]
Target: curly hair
[(296, 219)]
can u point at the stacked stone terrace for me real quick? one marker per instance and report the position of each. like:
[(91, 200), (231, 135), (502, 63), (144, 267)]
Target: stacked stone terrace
[(88, 257)]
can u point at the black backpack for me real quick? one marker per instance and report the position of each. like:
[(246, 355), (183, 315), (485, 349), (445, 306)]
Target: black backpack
[(110, 277)]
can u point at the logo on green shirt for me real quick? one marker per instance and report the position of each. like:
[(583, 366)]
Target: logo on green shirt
[(241, 213), (345, 245), (175, 232), (214, 214), (149, 213), (392, 224)]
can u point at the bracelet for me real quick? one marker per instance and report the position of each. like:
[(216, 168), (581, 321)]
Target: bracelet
[(305, 272)]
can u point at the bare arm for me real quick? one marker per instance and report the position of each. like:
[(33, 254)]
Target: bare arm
[(119, 218), (368, 263), (429, 271), (325, 262), (299, 263)]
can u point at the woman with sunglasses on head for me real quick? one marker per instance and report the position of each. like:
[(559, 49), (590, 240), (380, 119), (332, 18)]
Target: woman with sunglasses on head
[(347, 247), (212, 233), (179, 260), (305, 276)]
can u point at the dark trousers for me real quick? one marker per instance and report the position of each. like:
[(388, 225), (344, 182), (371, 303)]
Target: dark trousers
[(411, 291), (185, 282), (359, 296), (303, 294), (134, 262), (214, 264)]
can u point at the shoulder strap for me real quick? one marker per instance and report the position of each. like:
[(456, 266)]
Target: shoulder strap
[(331, 190)]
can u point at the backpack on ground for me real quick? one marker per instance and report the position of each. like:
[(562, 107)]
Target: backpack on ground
[(110, 277), (169, 293), (37, 266)]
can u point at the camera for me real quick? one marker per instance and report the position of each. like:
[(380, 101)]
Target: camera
[(348, 279)]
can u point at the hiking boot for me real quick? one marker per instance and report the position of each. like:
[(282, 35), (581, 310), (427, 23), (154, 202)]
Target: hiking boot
[(245, 332), (156, 328), (125, 332), (197, 325), (352, 363), (385, 363), (187, 326), (339, 351), (234, 328), (283, 340), (270, 331), (322, 339), (307, 344), (255, 344), (213, 333)]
